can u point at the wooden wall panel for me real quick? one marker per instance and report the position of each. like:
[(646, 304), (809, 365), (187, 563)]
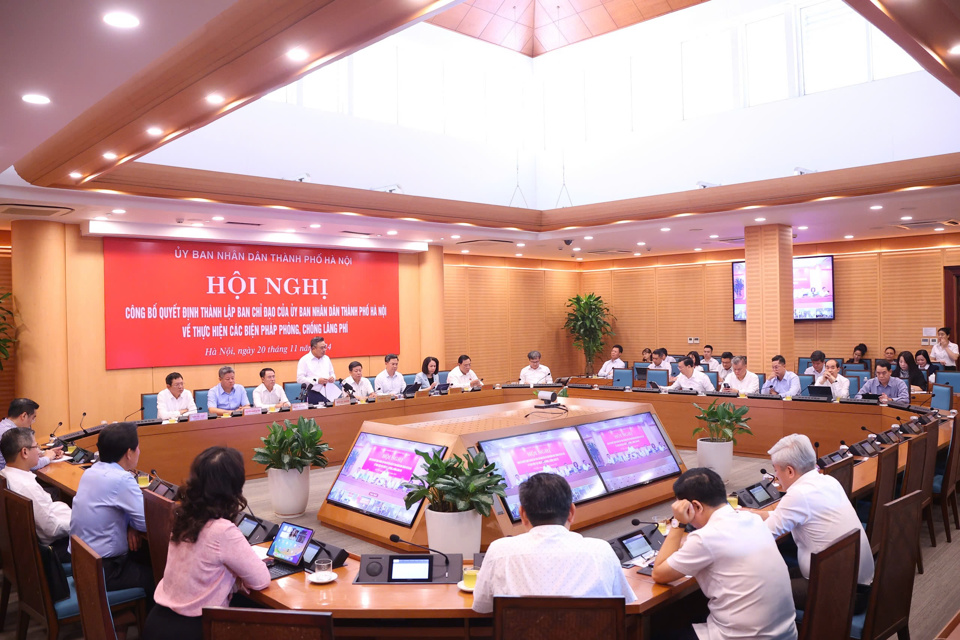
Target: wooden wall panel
[(488, 336), (456, 318), (527, 330), (680, 307), (8, 375), (856, 282), (912, 287), (560, 286), (635, 296), (720, 330)]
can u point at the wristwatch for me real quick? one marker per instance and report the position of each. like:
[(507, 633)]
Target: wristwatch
[(675, 524)]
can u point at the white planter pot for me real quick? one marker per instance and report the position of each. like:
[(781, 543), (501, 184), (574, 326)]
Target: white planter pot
[(454, 532), (289, 491), (715, 455)]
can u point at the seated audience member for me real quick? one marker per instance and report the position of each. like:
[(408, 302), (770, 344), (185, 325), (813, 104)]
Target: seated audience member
[(175, 401), (606, 371), (388, 382), (945, 352), (668, 359), (646, 355), (549, 559), (726, 365), (923, 359), (709, 360), (23, 413), (830, 377), (740, 379), (816, 511), (429, 374), (108, 510), (817, 358), (692, 377), (315, 370), (782, 382), (693, 355), (734, 559), (360, 387), (859, 352), (22, 453), (463, 376), (890, 354), (269, 394), (208, 558), (228, 396), (659, 360), (535, 373), (889, 388), (910, 373)]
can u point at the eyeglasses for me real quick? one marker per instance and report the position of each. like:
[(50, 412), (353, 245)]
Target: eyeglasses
[(33, 446)]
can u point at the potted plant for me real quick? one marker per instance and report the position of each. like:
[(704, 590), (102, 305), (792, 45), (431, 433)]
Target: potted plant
[(725, 422), (588, 322), (459, 494), (6, 328), (288, 452)]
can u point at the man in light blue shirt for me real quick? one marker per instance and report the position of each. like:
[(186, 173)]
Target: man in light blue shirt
[(227, 397), (23, 413), (108, 510), (889, 389), (782, 382)]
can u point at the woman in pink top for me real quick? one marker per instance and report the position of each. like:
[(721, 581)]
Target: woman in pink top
[(208, 557)]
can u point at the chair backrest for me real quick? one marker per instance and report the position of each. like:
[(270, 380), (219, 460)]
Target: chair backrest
[(930, 462), (292, 391), (409, 378), (657, 375), (232, 623), (942, 397), (842, 472), (443, 377), (149, 403), (896, 568), (802, 364), (675, 368), (95, 613), (855, 382), (623, 377), (714, 378), (6, 551), (558, 618), (33, 590), (832, 589), (862, 375), (951, 472), (158, 512), (249, 391), (855, 366), (805, 381), (200, 398), (951, 378), (883, 492), (916, 458)]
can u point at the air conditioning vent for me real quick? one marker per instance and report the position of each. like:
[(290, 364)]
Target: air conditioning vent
[(358, 233), (244, 224), (739, 240), (924, 225), (485, 241), (611, 252), (32, 211)]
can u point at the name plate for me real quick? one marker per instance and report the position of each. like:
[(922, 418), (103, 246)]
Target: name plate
[(342, 400), (299, 406), (252, 411), (197, 416)]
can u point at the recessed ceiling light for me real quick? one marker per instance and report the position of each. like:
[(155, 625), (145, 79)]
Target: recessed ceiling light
[(455, 237), (155, 131), (121, 20), (588, 237), (314, 226), (101, 218), (576, 248), (289, 230), (392, 232), (76, 175), (714, 237), (759, 219), (876, 207), (955, 50), (698, 249), (579, 259), (110, 155), (464, 250), (197, 224), (641, 244), (297, 54), (938, 228), (36, 98), (664, 228), (906, 218), (848, 237), (217, 218), (519, 244), (119, 211), (638, 254), (803, 228), (519, 255), (215, 98)]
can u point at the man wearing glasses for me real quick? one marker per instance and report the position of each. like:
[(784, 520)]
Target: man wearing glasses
[(23, 413)]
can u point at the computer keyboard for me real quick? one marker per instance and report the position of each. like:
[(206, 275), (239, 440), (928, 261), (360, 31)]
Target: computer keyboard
[(280, 570), (812, 398), (858, 401)]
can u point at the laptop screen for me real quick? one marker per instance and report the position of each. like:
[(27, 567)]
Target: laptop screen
[(290, 543)]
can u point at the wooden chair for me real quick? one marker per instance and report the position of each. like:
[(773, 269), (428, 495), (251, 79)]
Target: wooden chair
[(95, 615), (227, 623), (158, 512), (945, 486), (558, 618), (33, 590), (926, 483), (832, 589), (913, 475), (843, 472), (889, 609), (884, 490), (6, 560)]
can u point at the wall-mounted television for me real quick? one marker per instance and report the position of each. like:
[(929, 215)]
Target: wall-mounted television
[(813, 292)]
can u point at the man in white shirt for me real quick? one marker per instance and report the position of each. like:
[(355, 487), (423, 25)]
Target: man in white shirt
[(535, 373), (174, 401), (21, 453), (269, 394), (734, 559), (816, 511), (361, 387), (726, 366), (815, 369), (606, 371), (741, 380), (463, 376), (659, 360), (839, 386), (388, 382), (549, 559), (708, 359), (316, 369), (23, 413), (692, 377)]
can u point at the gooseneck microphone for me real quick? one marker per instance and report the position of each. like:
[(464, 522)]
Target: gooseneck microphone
[(53, 436), (637, 522), (816, 449), (864, 428), (255, 518), (446, 560), (82, 416), (131, 413)]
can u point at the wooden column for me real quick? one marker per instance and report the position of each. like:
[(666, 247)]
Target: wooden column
[(40, 301), (432, 336), (769, 255)]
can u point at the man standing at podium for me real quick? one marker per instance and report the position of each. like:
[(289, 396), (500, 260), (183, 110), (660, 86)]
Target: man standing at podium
[(316, 371)]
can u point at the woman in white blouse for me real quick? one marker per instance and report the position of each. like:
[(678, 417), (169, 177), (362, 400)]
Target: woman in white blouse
[(945, 352)]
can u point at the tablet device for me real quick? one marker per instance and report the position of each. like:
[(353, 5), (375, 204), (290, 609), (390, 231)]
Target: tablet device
[(817, 390), (638, 546), (870, 396), (290, 544), (414, 568), (247, 526)]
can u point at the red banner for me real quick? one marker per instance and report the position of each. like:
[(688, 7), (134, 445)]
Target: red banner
[(182, 303)]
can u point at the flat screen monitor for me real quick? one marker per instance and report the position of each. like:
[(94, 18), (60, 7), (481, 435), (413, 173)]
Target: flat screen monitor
[(372, 476), (740, 290), (559, 451), (629, 452), (813, 291), (290, 543), (247, 526)]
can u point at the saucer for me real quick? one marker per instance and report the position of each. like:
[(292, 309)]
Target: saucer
[(464, 587), (318, 577)]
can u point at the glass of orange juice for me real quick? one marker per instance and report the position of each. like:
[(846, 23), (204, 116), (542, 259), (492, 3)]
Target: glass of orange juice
[(470, 578), (734, 500)]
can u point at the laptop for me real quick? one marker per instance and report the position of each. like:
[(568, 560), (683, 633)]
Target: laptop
[(287, 550), (818, 390)]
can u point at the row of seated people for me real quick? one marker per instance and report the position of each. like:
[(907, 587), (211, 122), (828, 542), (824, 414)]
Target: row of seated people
[(731, 552)]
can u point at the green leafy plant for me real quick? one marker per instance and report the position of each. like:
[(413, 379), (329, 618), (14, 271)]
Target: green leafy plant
[(293, 445), (588, 322), (7, 330), (725, 421), (455, 484)]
